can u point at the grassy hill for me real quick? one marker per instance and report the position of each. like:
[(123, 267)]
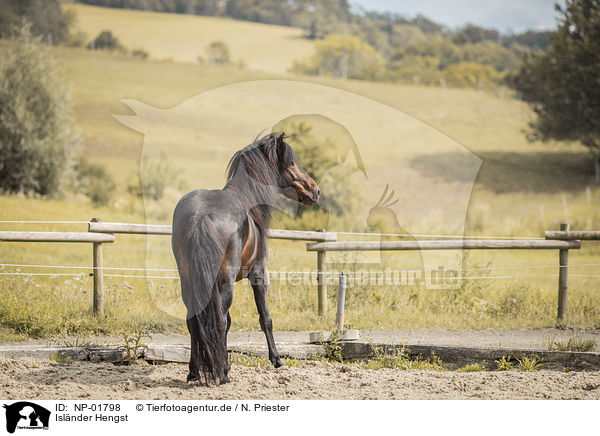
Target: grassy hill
[(183, 38), (521, 189)]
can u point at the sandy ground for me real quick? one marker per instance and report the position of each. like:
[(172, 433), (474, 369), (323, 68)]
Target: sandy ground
[(21, 379)]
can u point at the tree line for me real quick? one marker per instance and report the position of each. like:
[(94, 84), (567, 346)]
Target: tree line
[(370, 45)]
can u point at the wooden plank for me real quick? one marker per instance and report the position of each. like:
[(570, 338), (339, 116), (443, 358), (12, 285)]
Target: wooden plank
[(39, 352), (181, 353), (488, 244), (159, 229), (56, 237), (581, 235), (458, 355)]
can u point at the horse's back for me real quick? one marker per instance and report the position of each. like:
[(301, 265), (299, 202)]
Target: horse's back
[(219, 205)]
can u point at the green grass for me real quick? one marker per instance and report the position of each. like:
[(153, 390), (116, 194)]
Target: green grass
[(400, 360), (472, 367), (574, 343), (522, 189)]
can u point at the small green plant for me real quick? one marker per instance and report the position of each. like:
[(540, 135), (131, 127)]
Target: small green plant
[(574, 343), (133, 345), (332, 348), (400, 360), (530, 364), (472, 367), (503, 364), (82, 343), (248, 360), (292, 362), (61, 358)]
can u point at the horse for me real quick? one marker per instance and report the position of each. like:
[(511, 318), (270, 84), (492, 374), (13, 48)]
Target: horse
[(220, 237)]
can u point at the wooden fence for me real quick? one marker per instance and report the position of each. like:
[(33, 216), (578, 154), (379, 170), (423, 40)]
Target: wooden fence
[(100, 232)]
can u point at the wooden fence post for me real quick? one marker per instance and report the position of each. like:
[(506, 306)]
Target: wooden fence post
[(98, 276), (322, 282), (563, 274), (341, 302)]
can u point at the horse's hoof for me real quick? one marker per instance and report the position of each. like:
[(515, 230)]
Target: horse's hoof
[(192, 378), (278, 363), (225, 380)]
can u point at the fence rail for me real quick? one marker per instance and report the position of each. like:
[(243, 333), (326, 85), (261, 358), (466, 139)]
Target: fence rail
[(573, 235), (104, 232), (97, 238), (488, 244), (159, 229)]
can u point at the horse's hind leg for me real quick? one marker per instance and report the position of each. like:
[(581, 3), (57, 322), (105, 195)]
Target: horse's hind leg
[(258, 280), (194, 373), (227, 365), (229, 271)]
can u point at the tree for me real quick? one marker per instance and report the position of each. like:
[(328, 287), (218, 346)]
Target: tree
[(217, 52), (473, 34), (46, 18), (37, 138), (562, 84), (344, 57)]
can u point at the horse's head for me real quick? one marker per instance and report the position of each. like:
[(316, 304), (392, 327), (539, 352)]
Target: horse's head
[(294, 183), (381, 215)]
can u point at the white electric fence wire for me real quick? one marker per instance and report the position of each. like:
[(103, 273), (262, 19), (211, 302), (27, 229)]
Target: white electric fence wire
[(16, 265), (44, 222)]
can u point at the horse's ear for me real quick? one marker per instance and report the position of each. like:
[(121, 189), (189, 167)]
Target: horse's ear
[(279, 139), (280, 146)]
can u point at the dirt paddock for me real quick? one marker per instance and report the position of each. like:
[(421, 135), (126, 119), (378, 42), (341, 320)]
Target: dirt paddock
[(311, 380)]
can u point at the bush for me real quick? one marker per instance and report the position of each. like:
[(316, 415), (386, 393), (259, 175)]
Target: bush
[(343, 57), (467, 74), (139, 53), (77, 39), (105, 41), (217, 53), (156, 176), (37, 138), (95, 182)]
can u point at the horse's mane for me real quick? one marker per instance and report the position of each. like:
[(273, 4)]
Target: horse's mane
[(253, 173)]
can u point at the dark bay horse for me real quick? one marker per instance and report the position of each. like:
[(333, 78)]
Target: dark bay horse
[(220, 237)]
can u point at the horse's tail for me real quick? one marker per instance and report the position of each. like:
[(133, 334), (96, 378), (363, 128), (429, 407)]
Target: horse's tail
[(205, 321)]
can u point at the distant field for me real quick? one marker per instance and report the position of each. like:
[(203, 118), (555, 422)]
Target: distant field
[(521, 190), (182, 38)]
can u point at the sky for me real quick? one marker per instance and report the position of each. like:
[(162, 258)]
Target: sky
[(503, 15)]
